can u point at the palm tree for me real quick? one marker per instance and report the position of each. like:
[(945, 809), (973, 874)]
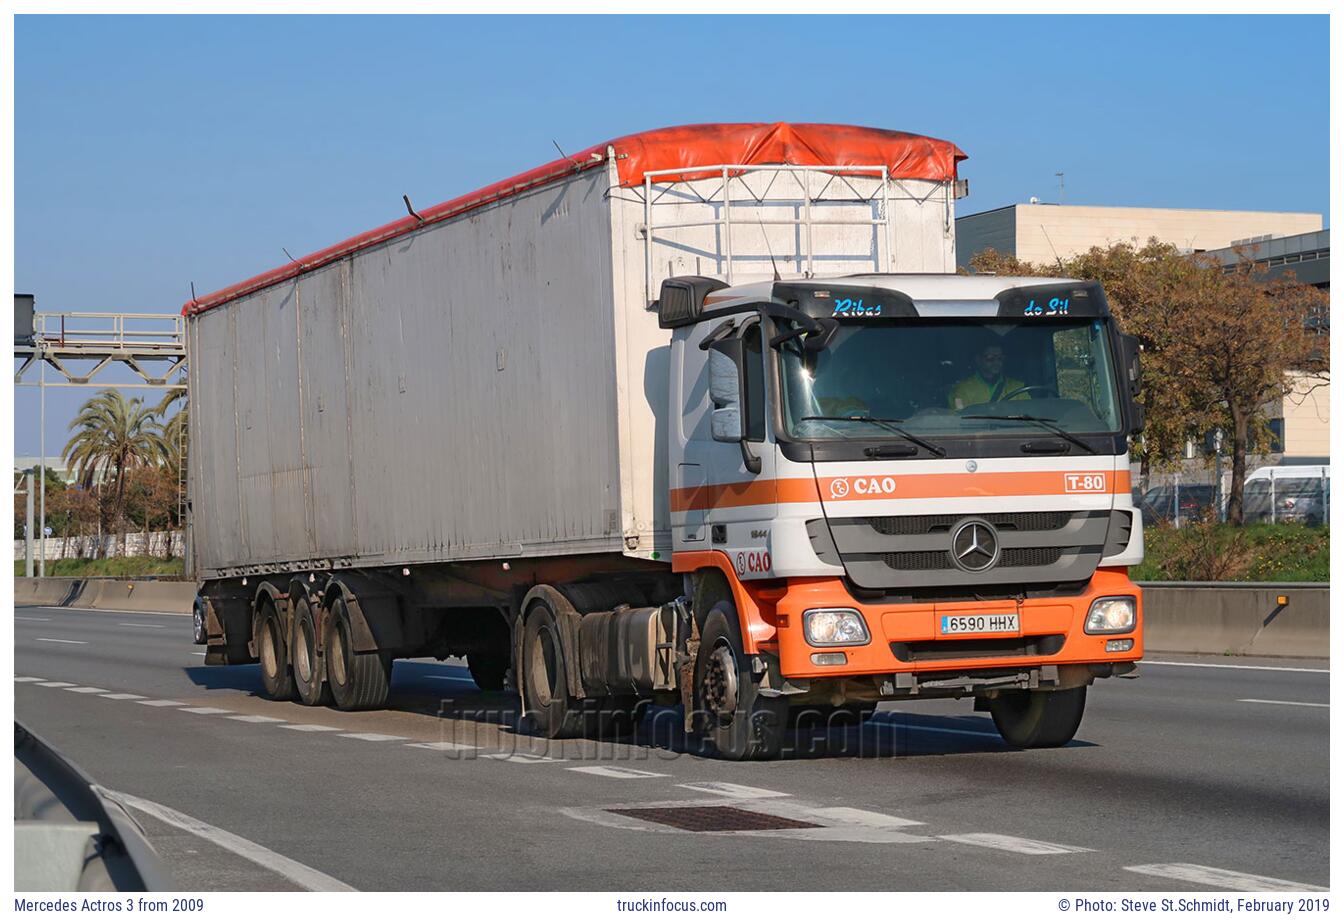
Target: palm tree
[(113, 435)]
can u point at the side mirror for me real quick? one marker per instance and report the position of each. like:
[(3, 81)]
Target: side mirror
[(1129, 346), (725, 389)]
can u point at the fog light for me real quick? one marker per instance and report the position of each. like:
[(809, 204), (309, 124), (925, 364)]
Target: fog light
[(1119, 645), (825, 658), (1110, 615), (834, 626)]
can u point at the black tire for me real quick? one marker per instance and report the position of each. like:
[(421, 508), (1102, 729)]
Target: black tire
[(198, 635), (550, 708), (310, 678), (846, 715), (1038, 719), (277, 678), (489, 670), (358, 680), (739, 723)]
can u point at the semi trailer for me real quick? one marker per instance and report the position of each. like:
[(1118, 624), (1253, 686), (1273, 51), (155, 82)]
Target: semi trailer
[(697, 416)]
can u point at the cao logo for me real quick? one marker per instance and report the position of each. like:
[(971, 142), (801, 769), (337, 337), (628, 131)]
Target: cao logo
[(863, 485)]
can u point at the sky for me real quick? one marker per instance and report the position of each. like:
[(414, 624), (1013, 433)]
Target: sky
[(154, 152)]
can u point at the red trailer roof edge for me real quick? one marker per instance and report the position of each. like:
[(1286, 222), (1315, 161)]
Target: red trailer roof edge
[(909, 156)]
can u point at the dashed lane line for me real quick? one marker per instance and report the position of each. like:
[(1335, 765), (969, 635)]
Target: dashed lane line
[(35, 619), (144, 625), (122, 696), (160, 703), (255, 719), (1286, 703), (84, 690), (62, 641), (372, 736), (845, 815), (1220, 878), (1015, 844), (55, 683), (27, 680), (506, 757), (1233, 667), (206, 710), (733, 790), (306, 877), (301, 727), (443, 746), (616, 772)]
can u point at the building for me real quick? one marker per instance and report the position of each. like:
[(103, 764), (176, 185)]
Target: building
[(1045, 232), (1306, 255)]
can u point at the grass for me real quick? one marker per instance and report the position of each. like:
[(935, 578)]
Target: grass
[(1221, 552), (122, 567)]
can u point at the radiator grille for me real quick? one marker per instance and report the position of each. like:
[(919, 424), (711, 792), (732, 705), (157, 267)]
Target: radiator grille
[(919, 524), (941, 559)]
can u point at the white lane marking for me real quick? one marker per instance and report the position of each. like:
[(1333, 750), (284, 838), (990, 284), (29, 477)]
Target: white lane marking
[(27, 680), (202, 654), (372, 736), (522, 758), (306, 877), (62, 641), (1220, 878), (615, 772), (206, 710), (102, 610), (160, 703), (255, 719), (35, 619), (1014, 844), (83, 689), (122, 696), (456, 680), (733, 790), (991, 736), (55, 683), (1234, 667), (443, 746), (144, 625), (1286, 703), (846, 815), (310, 728)]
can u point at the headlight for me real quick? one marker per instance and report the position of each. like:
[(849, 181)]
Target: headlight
[(1110, 615), (834, 626)]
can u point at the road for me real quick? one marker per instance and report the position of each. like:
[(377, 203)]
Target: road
[(1197, 776)]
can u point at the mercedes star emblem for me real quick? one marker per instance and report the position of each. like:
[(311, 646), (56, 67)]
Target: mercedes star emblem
[(975, 545)]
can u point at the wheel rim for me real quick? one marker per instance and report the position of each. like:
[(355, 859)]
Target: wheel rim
[(303, 651), (336, 662), (268, 651), (198, 622), (544, 661), (718, 685)]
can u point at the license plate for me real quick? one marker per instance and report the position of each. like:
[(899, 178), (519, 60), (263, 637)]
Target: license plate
[(979, 623)]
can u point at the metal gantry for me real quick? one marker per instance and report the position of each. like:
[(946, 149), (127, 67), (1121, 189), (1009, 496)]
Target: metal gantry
[(79, 347)]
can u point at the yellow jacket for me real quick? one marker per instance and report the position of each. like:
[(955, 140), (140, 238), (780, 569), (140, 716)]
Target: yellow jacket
[(973, 391)]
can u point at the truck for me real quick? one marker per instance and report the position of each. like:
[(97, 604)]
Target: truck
[(699, 417)]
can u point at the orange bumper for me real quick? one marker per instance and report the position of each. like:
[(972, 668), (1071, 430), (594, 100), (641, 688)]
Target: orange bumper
[(917, 627)]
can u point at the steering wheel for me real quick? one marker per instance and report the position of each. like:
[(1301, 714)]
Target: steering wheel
[(1028, 389)]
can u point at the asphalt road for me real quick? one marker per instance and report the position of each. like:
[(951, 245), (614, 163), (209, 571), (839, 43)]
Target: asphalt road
[(1197, 776)]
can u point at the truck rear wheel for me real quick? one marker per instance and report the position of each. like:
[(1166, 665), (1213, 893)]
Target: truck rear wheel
[(1038, 719), (358, 680), (553, 712), (277, 678), (309, 673), (740, 723)]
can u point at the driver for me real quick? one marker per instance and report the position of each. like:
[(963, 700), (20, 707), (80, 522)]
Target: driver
[(987, 384)]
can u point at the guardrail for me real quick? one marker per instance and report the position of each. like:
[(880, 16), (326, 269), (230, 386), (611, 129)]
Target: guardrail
[(148, 594)]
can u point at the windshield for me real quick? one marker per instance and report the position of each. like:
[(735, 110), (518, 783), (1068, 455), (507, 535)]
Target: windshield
[(941, 378)]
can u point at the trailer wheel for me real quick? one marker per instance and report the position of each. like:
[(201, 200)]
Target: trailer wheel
[(198, 635), (309, 677), (277, 678), (358, 680), (741, 723), (553, 712), (1038, 719), (488, 670)]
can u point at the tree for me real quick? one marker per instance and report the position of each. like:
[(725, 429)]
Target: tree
[(112, 436)]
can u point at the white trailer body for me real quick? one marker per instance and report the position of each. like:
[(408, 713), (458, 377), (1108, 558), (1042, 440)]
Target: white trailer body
[(493, 385)]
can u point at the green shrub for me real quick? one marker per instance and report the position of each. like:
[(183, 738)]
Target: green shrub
[(1220, 552), (121, 567)]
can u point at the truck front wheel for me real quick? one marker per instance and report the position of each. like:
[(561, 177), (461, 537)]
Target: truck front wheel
[(740, 723), (1038, 719)]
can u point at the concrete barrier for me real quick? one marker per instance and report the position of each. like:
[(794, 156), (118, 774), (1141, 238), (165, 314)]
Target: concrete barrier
[(149, 595), (1230, 618)]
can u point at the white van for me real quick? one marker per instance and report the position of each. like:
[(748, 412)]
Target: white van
[(1284, 494)]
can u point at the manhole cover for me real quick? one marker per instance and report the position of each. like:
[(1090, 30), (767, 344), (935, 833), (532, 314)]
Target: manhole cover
[(712, 818)]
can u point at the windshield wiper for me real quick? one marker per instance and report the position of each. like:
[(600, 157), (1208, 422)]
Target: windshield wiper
[(888, 423), (1047, 423)]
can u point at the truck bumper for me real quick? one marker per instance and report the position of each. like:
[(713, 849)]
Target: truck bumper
[(905, 638)]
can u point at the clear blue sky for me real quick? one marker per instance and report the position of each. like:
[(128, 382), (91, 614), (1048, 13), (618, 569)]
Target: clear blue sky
[(151, 152)]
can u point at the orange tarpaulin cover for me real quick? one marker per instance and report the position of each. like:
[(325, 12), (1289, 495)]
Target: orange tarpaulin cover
[(905, 156)]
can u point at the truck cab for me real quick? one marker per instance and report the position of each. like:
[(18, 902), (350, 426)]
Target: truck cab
[(902, 487)]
